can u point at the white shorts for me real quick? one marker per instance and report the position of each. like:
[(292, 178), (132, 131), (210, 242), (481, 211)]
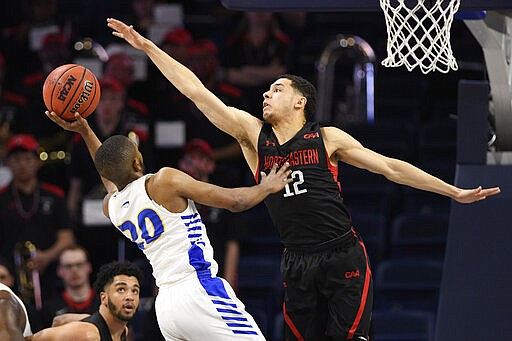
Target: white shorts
[(205, 309)]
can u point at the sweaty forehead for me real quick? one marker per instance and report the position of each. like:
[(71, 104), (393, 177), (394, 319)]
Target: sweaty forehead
[(283, 82), (125, 280)]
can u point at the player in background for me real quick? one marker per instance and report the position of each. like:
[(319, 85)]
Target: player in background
[(118, 284), (325, 268), (157, 212)]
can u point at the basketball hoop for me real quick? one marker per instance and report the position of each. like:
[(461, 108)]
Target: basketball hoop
[(419, 34)]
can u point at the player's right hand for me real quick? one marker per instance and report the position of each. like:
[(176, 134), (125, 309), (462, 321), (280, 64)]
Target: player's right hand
[(276, 179), (128, 33)]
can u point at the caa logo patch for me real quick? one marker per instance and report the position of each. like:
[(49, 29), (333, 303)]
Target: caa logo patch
[(311, 135)]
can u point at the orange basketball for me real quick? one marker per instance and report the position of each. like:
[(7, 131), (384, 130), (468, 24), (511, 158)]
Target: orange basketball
[(71, 88)]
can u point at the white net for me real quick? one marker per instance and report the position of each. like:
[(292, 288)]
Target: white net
[(419, 34)]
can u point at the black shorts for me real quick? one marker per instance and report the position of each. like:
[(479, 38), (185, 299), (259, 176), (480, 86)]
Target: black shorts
[(328, 293)]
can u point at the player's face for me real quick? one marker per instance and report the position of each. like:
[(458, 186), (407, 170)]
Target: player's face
[(278, 100), (123, 297)]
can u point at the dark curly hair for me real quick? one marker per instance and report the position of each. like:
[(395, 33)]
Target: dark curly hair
[(107, 272), (306, 89)]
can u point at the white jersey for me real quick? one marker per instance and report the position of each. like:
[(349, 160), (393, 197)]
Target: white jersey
[(27, 331), (175, 244), (192, 303)]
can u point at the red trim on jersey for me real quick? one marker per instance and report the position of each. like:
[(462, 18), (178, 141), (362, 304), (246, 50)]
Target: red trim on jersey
[(290, 324), (332, 169), (364, 296), (53, 189), (257, 173)]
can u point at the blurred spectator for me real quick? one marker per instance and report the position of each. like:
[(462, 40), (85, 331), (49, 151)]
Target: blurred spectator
[(141, 14), (225, 228), (10, 104), (121, 67), (203, 61), (170, 104), (31, 210), (78, 296), (256, 54), (176, 43)]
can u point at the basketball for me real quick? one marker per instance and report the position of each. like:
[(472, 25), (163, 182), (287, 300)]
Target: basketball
[(69, 89)]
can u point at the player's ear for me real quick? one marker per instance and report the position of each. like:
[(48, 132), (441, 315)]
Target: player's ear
[(301, 102), (103, 297), (137, 166)]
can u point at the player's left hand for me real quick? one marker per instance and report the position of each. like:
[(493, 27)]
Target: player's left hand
[(277, 179), (466, 196)]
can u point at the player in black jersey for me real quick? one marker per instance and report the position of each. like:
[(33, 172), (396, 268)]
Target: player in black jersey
[(118, 284), (325, 269)]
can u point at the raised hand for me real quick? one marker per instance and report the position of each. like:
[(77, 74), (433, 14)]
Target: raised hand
[(466, 196), (79, 125), (277, 179), (128, 33)]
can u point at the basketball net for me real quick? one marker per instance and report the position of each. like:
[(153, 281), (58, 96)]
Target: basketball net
[(419, 35)]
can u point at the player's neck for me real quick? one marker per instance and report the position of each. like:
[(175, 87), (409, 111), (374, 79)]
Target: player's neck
[(286, 129)]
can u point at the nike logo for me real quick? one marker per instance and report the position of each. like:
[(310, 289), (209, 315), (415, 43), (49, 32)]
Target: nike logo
[(362, 338), (125, 204)]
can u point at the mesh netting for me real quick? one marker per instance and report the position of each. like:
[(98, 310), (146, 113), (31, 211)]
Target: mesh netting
[(419, 34)]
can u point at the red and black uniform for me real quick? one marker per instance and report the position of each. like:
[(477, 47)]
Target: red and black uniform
[(325, 269), (102, 326)]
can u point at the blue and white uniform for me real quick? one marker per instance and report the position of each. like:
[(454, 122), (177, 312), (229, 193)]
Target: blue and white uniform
[(192, 303), (27, 331)]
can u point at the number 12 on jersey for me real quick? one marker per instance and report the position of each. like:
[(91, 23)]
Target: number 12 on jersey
[(292, 189)]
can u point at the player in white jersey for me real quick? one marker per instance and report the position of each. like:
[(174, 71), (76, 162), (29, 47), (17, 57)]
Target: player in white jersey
[(14, 323), (157, 212)]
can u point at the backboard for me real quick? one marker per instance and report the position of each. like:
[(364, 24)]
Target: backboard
[(343, 5)]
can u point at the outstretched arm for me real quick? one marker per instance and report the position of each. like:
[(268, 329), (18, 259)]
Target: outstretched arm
[(76, 331), (237, 123), (81, 126), (343, 147), (169, 183)]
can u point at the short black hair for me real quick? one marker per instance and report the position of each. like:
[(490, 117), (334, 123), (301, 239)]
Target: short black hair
[(307, 90), (108, 271), (114, 159)]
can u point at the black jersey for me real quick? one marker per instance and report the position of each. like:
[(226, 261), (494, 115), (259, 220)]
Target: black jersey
[(102, 326), (309, 211)]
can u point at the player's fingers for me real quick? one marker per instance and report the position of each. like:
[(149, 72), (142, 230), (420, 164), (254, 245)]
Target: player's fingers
[(274, 168), (491, 191), (284, 168)]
